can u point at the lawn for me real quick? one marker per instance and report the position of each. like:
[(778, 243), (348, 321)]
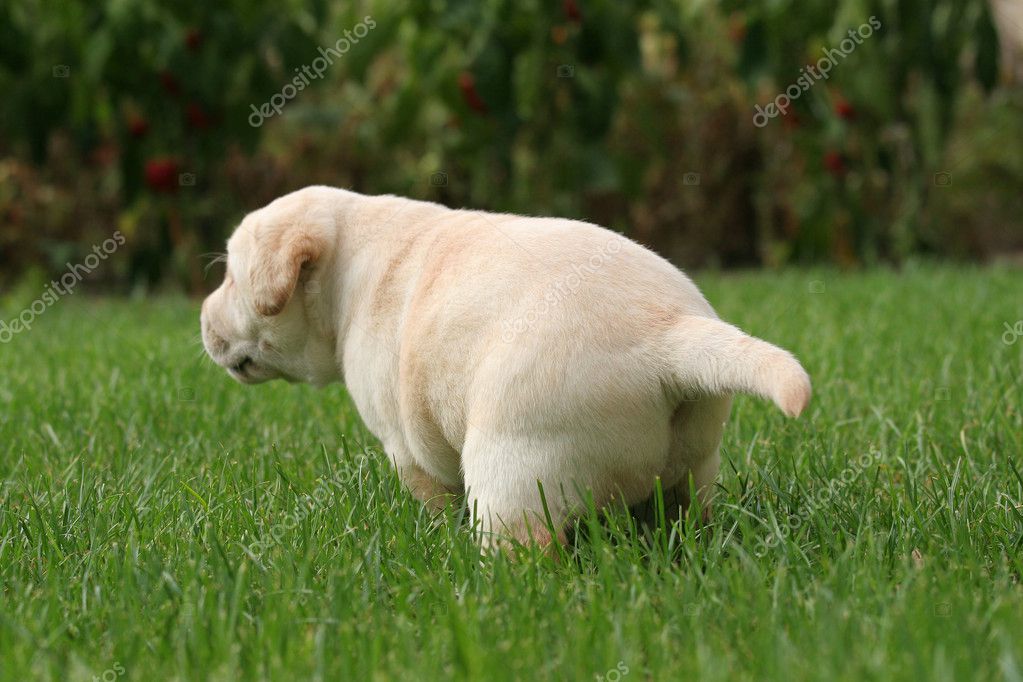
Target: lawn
[(159, 521)]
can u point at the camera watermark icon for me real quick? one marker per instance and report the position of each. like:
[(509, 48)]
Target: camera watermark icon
[(691, 179), (1011, 334), (439, 179), (312, 291), (186, 179), (61, 71), (691, 609), (943, 179), (186, 394), (692, 395), (816, 286), (566, 71)]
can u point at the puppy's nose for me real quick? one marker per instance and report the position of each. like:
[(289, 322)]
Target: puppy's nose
[(241, 366)]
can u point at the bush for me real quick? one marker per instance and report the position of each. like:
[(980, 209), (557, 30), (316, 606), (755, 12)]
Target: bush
[(639, 116)]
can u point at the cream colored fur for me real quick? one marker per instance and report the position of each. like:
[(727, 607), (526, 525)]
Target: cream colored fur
[(491, 352)]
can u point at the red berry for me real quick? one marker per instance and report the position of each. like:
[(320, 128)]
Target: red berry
[(197, 116), (138, 126), (193, 39), (844, 109), (572, 12), (170, 83), (162, 174), (737, 27), (834, 162), (467, 84)]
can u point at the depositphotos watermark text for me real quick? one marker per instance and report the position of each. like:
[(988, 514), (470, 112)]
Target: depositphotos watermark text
[(310, 72), (64, 286), (809, 76)]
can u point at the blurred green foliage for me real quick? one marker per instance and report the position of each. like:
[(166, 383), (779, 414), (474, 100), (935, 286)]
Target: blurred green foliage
[(138, 115)]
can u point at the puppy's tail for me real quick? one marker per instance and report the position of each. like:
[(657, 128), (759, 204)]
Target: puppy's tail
[(709, 356)]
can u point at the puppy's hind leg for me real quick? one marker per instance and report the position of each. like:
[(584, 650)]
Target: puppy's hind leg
[(697, 427)]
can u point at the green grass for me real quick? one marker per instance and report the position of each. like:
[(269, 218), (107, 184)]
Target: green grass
[(136, 478)]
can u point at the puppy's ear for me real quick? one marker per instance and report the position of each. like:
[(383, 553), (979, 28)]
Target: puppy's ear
[(279, 259)]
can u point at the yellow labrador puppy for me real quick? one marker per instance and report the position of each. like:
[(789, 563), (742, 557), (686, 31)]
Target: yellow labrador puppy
[(491, 352)]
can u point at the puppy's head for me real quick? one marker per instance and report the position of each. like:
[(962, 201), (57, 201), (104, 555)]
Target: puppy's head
[(271, 317)]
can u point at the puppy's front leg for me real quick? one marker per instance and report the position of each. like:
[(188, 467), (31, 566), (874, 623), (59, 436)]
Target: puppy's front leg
[(504, 497), (424, 487)]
